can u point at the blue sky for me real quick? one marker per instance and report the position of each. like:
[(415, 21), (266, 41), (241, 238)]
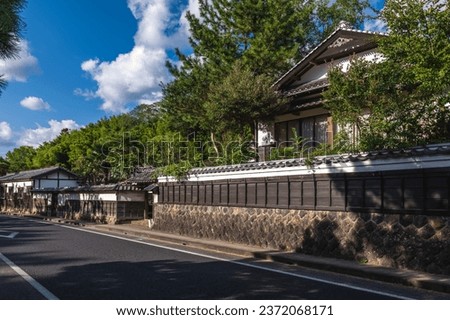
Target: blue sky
[(82, 60)]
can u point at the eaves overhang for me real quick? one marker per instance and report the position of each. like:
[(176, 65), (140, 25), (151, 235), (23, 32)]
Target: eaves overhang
[(315, 57)]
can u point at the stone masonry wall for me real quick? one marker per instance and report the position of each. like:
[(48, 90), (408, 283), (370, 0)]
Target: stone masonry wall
[(417, 242)]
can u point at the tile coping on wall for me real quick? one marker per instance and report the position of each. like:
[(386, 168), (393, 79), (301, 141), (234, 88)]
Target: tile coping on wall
[(432, 156)]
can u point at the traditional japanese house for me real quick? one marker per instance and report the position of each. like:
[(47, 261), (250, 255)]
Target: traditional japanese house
[(112, 203), (35, 191), (305, 115)]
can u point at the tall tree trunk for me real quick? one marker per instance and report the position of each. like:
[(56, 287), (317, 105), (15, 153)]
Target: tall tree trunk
[(213, 140)]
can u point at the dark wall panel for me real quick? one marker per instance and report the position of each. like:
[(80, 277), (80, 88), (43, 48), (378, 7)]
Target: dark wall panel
[(414, 191), (201, 194), (224, 194), (437, 193), (295, 194), (323, 194), (393, 194), (208, 193), (261, 194), (195, 198), (232, 193), (283, 194), (251, 194), (338, 194), (413, 194), (355, 193), (272, 194), (309, 194), (216, 194), (241, 194), (372, 193)]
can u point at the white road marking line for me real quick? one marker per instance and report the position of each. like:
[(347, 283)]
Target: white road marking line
[(10, 235), (292, 274), (41, 289)]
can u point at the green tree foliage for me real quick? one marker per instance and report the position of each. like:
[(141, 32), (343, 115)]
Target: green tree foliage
[(367, 101), (220, 89), (406, 93), (419, 44), (239, 100), (327, 15), (239, 46), (20, 158), (101, 152), (4, 166), (10, 27)]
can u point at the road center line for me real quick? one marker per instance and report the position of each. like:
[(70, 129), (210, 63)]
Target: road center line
[(292, 274), (41, 289)]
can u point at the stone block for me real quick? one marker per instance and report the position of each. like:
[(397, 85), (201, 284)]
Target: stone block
[(404, 241), (370, 226), (406, 219), (426, 232), (437, 223), (420, 220)]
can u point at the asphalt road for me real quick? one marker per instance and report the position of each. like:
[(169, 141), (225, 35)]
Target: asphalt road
[(44, 261)]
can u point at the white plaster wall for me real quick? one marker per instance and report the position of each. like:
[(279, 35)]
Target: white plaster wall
[(321, 71), (316, 73), (63, 197), (17, 185), (265, 135), (107, 196)]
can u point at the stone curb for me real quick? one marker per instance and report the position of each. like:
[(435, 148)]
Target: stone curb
[(411, 278), (404, 277)]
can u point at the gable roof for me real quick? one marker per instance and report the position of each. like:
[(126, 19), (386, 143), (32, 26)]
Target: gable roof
[(33, 174), (341, 43)]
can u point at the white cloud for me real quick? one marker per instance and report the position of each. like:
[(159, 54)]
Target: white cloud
[(22, 67), (35, 104), (5, 133), (376, 25), (136, 76), (128, 78), (87, 94), (35, 137)]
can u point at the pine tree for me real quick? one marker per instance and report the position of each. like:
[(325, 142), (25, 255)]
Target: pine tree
[(264, 37), (10, 27)]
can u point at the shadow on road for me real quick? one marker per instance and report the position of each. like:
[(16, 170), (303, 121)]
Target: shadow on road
[(171, 279)]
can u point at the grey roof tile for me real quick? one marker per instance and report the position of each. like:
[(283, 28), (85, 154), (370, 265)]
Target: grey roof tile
[(441, 149), (31, 174)]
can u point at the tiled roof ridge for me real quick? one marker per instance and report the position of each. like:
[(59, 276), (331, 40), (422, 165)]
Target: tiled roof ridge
[(28, 174), (100, 187), (328, 159), (35, 170)]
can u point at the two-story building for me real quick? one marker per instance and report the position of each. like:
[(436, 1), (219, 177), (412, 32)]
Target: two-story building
[(305, 82)]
